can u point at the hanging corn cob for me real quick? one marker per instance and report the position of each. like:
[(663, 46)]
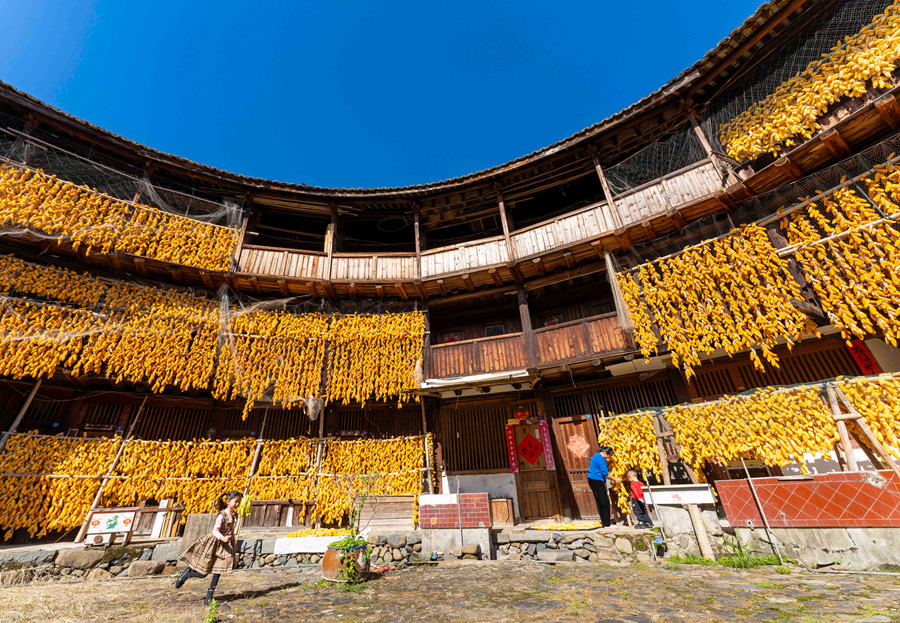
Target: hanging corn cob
[(634, 441), (791, 113), (88, 218), (731, 293)]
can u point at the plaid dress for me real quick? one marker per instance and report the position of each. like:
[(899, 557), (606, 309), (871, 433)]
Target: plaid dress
[(210, 555)]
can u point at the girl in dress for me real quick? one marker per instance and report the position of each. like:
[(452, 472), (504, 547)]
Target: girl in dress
[(214, 552)]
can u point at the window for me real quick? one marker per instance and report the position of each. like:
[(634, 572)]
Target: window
[(494, 330)]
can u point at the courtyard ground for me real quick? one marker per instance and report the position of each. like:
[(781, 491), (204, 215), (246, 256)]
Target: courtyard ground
[(464, 591)]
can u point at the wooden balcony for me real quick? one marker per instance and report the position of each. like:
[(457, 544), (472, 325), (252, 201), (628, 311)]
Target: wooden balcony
[(581, 339), (480, 356), (660, 196), (571, 342)]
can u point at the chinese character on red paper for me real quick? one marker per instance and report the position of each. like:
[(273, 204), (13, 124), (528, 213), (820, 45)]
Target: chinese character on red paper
[(530, 448), (578, 446)]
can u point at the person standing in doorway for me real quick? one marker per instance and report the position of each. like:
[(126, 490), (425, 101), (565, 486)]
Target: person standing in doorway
[(598, 474)]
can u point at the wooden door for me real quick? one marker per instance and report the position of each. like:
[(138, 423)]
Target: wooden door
[(576, 442), (538, 494)]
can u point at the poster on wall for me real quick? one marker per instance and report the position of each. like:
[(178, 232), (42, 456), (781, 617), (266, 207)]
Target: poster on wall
[(549, 461), (863, 357), (511, 449), (530, 448)]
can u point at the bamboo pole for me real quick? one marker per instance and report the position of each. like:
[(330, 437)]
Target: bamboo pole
[(260, 442), (762, 513), (84, 525), (886, 457), (22, 411), (842, 429)]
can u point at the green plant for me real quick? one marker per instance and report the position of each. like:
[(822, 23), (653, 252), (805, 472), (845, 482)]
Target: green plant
[(748, 561), (212, 615), (690, 559), (782, 569)]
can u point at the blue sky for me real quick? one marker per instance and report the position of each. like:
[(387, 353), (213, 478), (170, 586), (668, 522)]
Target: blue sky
[(352, 94)]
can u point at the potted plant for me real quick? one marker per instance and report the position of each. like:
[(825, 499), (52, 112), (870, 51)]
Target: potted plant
[(347, 559)]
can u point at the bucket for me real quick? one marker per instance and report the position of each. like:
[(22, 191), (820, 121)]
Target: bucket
[(345, 564)]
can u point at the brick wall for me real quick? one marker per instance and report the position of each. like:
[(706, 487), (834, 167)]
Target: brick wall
[(839, 500), (440, 511)]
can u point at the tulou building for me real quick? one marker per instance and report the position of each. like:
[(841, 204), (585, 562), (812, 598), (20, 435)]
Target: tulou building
[(645, 283)]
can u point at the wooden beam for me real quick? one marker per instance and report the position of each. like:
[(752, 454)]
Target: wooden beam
[(516, 273), (539, 264), (677, 219), (379, 290), (115, 261), (141, 265), (835, 143), (597, 246), (624, 238), (442, 287), (495, 276), (282, 285), (420, 290), (467, 279), (254, 283), (311, 287), (569, 258), (352, 290), (889, 110), (648, 229), (401, 291), (790, 169), (242, 234), (722, 169), (206, 279)]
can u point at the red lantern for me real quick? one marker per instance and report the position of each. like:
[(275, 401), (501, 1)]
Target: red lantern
[(521, 413)]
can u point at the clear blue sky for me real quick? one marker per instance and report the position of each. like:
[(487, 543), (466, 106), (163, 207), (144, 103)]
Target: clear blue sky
[(352, 94)]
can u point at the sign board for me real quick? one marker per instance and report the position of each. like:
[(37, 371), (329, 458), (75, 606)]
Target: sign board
[(530, 448), (578, 446), (863, 357), (549, 461), (677, 495), (112, 520), (511, 449)]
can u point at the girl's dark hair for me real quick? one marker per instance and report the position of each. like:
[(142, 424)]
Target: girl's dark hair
[(226, 497), (606, 449)]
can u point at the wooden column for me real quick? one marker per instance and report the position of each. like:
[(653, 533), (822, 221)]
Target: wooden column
[(236, 260), (426, 344), (527, 330), (612, 213), (722, 169), (22, 411), (418, 244), (330, 234), (504, 222), (661, 449)]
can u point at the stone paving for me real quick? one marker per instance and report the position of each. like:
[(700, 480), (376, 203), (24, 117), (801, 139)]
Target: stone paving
[(464, 591)]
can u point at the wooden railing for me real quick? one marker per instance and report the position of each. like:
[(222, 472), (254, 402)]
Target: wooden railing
[(580, 339), (568, 342), (486, 354), (650, 200)]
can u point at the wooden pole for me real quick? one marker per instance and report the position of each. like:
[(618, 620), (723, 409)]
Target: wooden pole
[(527, 330), (661, 448), (22, 411), (842, 429), (505, 225), (127, 439), (612, 211), (428, 469), (724, 171), (319, 452), (418, 244), (761, 512), (260, 442)]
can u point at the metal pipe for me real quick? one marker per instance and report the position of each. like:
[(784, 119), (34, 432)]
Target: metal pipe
[(762, 513)]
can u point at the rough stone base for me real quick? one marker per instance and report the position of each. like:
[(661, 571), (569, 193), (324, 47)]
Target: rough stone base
[(861, 549), (623, 547)]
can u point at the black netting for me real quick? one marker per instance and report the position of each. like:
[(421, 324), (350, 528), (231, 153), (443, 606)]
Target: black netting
[(22, 150), (825, 31), (766, 207), (669, 154)]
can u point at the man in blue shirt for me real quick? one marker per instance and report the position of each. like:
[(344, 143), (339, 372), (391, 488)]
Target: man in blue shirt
[(598, 474)]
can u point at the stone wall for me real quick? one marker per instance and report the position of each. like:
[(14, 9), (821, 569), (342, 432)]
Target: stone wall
[(624, 547), (859, 549)]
